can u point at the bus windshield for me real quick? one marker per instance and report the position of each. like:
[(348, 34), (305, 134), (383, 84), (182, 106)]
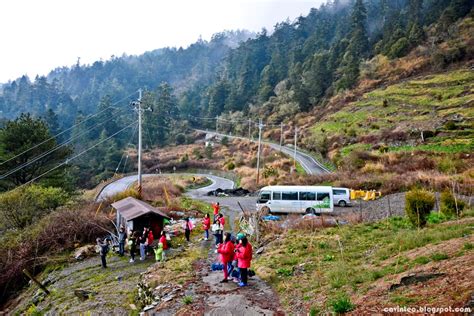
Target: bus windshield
[(264, 196)]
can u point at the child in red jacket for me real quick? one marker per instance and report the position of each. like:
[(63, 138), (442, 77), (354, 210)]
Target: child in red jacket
[(226, 251), (206, 224), (243, 253)]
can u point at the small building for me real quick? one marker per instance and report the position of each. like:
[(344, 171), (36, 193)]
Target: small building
[(136, 215)]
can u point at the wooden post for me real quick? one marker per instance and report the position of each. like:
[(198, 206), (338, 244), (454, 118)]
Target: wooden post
[(28, 274)]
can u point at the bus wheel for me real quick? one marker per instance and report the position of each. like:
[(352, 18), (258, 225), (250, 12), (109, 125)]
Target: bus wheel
[(311, 210), (266, 210)]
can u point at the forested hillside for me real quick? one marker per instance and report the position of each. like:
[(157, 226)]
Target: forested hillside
[(294, 68)]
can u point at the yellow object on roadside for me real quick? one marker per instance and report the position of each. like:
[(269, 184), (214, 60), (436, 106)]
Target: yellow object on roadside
[(365, 195)]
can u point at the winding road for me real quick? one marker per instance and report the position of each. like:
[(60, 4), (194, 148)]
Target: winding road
[(124, 183), (309, 164)]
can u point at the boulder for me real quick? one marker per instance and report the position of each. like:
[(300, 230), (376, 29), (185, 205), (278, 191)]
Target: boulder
[(84, 252)]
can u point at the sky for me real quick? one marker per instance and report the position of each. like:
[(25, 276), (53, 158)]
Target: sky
[(40, 35)]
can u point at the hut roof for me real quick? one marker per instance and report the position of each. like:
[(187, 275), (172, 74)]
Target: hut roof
[(130, 208)]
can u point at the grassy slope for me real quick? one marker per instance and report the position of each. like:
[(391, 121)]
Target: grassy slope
[(420, 104), (311, 269)]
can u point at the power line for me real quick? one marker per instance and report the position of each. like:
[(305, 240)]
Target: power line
[(74, 157), (130, 140), (58, 146), (68, 129)]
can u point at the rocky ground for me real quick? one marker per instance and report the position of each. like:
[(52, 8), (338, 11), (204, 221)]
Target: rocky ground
[(203, 294), (106, 291)]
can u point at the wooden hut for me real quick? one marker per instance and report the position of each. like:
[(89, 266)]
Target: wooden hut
[(136, 215)]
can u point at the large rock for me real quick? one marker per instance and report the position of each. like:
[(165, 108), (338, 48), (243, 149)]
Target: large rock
[(84, 252)]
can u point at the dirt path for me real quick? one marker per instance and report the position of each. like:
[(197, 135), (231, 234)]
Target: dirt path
[(210, 297)]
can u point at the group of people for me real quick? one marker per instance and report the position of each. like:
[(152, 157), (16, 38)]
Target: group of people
[(217, 226), (233, 252), (136, 240)]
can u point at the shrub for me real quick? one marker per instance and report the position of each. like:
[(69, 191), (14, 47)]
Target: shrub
[(400, 48), (180, 139), (269, 171), (208, 152), (184, 158), (37, 245), (341, 304), (418, 205), (20, 207), (450, 125), (225, 141), (436, 218), (230, 166), (449, 205), (197, 153), (438, 256), (187, 300)]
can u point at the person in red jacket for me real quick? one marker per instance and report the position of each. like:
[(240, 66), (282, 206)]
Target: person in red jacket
[(206, 224), (226, 251), (243, 253), (164, 242), (150, 240), (216, 208)]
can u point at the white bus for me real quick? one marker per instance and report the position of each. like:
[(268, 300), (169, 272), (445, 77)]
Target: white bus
[(296, 199)]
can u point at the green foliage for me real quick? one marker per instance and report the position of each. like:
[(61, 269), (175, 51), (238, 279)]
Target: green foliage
[(436, 218), (438, 256), (180, 139), (187, 300), (284, 272), (225, 141), (421, 260), (184, 158), (20, 163), (418, 205), (450, 125), (399, 48), (197, 153), (341, 304), (451, 206), (208, 151), (269, 171), (230, 166), (19, 208)]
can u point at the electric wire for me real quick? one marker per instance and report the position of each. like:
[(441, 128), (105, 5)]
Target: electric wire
[(74, 157), (57, 147), (66, 130)]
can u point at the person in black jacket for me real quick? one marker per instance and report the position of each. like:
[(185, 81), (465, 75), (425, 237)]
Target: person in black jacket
[(104, 249), (122, 236)]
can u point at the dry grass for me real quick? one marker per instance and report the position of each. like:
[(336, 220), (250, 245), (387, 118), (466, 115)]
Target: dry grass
[(44, 242)]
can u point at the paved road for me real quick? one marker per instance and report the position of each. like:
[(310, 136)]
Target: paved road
[(309, 164), (229, 205), (124, 183)]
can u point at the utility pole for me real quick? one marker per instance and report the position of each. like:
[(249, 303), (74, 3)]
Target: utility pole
[(281, 134), (260, 126), (250, 133), (139, 141), (296, 136)]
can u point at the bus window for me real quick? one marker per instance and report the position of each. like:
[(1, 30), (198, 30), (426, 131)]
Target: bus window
[(277, 195), (323, 195), (289, 196), (307, 196), (264, 197)]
